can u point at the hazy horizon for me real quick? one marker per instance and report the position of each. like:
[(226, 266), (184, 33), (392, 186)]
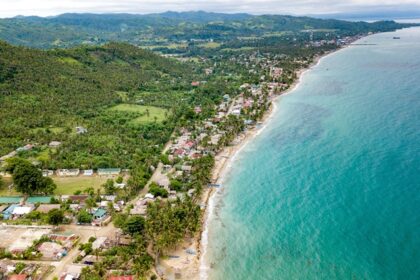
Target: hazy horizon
[(323, 8)]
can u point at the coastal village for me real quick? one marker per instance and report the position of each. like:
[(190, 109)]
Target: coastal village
[(47, 249), (32, 252)]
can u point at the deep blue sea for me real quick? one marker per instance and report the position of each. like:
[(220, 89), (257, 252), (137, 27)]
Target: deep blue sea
[(330, 188)]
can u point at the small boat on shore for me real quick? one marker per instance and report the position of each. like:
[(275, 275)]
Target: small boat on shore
[(396, 38)]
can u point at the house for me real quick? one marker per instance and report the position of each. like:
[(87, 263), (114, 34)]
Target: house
[(88, 172), (52, 251), (67, 239), (99, 214), (47, 173), (179, 152), (149, 195), (100, 217), (80, 130), (109, 171), (236, 112), (104, 203), (17, 277), (73, 272), (163, 181), (125, 277), (208, 71), (7, 213), (189, 144), (68, 172), (226, 97), (75, 198), (248, 122), (54, 144), (120, 185), (75, 207), (186, 168), (195, 84), (197, 109), (100, 243), (7, 266), (22, 210), (109, 197)]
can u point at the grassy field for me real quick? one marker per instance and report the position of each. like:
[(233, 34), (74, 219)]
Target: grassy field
[(154, 113), (238, 49), (210, 45), (70, 61), (65, 185), (69, 185)]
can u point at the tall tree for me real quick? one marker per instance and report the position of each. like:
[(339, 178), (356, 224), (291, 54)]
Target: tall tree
[(28, 179)]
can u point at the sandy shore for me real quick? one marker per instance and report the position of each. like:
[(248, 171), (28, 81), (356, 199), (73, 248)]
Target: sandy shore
[(183, 265)]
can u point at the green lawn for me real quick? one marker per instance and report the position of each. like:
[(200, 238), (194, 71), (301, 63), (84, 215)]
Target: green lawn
[(69, 185), (149, 113), (210, 45)]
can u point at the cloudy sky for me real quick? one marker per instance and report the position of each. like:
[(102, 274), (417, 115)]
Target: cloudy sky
[(10, 8)]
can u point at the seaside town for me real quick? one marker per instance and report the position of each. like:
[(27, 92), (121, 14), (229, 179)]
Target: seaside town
[(120, 191), (81, 232)]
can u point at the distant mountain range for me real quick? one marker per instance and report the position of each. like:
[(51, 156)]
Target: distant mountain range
[(71, 29)]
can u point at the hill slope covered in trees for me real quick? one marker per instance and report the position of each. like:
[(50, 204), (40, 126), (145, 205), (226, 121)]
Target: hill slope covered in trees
[(44, 95), (68, 30)]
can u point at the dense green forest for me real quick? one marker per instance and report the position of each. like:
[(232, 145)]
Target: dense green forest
[(45, 95)]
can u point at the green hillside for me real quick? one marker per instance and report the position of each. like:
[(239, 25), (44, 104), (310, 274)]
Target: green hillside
[(45, 95)]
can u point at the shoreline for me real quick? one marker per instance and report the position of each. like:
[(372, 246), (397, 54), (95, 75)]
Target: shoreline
[(196, 266), (233, 152)]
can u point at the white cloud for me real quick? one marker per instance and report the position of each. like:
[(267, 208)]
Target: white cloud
[(10, 8)]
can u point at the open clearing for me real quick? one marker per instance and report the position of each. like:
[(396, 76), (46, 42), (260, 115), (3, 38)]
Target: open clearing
[(210, 45), (149, 113), (69, 185)]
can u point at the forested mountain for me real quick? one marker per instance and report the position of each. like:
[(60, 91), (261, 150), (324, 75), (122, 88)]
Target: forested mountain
[(68, 30), (44, 95)]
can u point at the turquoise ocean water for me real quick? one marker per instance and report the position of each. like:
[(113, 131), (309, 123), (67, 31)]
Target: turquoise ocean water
[(330, 188)]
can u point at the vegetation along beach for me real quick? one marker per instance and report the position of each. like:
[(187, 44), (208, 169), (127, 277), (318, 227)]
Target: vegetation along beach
[(166, 146)]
